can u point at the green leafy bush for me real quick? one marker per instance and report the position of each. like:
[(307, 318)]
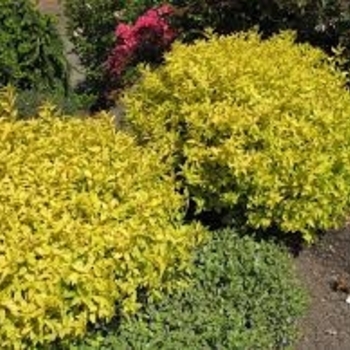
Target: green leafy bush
[(31, 55), (259, 129), (87, 219), (244, 296)]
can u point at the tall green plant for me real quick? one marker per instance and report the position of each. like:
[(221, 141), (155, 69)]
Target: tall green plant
[(31, 55)]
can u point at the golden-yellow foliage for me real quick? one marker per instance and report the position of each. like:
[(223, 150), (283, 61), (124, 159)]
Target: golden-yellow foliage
[(86, 218), (259, 127)]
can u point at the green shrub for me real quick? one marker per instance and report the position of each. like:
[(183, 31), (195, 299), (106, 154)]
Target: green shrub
[(31, 55), (87, 219), (90, 27), (260, 129), (244, 296)]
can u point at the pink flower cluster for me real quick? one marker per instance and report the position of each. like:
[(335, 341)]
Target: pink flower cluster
[(151, 30)]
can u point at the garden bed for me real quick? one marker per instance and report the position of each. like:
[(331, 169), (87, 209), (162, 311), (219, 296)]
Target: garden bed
[(323, 268), (325, 271)]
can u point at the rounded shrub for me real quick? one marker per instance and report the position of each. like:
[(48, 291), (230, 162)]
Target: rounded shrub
[(31, 55), (244, 296), (87, 219), (259, 129)]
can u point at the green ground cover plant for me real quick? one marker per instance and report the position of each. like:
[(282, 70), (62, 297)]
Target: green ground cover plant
[(244, 295)]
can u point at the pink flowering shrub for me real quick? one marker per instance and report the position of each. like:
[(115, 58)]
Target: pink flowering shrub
[(145, 41)]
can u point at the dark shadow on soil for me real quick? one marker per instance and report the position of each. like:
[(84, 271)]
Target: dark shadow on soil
[(324, 269)]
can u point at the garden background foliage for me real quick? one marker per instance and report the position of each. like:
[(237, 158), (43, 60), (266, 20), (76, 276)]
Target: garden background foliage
[(323, 23)]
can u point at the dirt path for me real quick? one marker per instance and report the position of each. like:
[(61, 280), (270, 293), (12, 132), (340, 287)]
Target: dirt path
[(325, 271)]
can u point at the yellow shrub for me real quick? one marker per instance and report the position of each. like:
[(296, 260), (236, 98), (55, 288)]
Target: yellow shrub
[(86, 219), (259, 127)]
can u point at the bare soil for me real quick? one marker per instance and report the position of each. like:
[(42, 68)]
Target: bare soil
[(324, 269)]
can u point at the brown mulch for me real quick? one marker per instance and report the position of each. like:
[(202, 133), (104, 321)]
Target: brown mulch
[(324, 269)]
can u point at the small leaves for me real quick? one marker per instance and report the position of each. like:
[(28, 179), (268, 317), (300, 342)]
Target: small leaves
[(243, 295), (87, 218), (31, 55), (255, 128)]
